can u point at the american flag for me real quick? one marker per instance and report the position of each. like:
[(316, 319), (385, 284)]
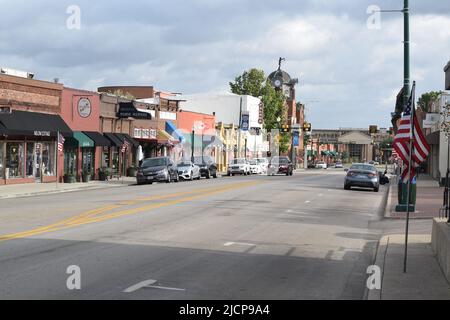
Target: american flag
[(125, 146), (61, 141), (420, 149)]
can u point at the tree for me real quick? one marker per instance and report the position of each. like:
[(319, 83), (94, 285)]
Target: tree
[(249, 83), (427, 99)]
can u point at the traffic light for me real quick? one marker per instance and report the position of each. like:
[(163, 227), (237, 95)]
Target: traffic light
[(307, 127), (285, 128)]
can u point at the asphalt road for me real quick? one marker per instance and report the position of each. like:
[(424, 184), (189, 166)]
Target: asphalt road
[(259, 237)]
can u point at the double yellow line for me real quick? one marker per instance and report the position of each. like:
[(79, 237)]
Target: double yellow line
[(104, 213)]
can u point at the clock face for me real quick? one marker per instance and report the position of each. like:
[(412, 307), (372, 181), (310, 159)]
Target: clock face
[(84, 107), (277, 83)]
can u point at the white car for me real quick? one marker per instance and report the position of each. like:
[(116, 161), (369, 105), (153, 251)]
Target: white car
[(321, 165), (264, 163), (238, 166), (188, 171), (255, 167)]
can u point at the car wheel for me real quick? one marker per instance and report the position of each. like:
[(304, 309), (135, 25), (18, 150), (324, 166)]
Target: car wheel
[(346, 187), (208, 176), (376, 189)]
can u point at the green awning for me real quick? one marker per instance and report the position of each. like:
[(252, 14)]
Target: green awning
[(333, 153), (79, 140), (325, 153), (311, 153)]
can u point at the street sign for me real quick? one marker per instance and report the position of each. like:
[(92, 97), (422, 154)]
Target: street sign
[(245, 121)]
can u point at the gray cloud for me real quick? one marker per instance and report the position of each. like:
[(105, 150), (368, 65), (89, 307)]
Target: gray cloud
[(349, 75)]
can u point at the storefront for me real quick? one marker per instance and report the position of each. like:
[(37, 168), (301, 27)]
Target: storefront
[(28, 146)]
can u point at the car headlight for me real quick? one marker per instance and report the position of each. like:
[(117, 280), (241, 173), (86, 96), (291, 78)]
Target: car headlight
[(162, 171)]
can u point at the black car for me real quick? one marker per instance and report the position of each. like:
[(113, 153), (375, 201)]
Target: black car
[(161, 169), (280, 165), (208, 168)]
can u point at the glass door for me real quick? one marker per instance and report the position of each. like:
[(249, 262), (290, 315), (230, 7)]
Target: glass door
[(37, 161), (88, 160)]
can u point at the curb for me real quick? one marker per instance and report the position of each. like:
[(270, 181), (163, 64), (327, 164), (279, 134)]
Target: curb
[(44, 193), (380, 260)]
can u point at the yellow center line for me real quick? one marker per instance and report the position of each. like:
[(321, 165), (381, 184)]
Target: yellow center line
[(93, 216)]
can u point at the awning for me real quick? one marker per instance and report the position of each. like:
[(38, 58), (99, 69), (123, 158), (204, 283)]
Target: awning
[(80, 140), (125, 137), (433, 138), (165, 136), (116, 142), (174, 132), (325, 153), (98, 138), (33, 123)]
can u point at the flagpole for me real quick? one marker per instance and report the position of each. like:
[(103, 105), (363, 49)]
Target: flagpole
[(411, 146), (57, 157)]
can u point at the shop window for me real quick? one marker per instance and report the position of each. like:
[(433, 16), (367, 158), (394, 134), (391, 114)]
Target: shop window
[(88, 160), (48, 159), (115, 160), (1, 161), (106, 162), (137, 133), (146, 134), (31, 160), (14, 160), (70, 161)]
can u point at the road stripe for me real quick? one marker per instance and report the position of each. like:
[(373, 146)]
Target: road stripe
[(92, 215)]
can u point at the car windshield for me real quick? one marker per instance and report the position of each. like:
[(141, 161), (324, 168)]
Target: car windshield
[(238, 161), (365, 167), (253, 162), (154, 162), (185, 164), (280, 160), (262, 160)]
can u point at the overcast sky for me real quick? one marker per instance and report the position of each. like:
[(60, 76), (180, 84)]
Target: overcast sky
[(348, 74)]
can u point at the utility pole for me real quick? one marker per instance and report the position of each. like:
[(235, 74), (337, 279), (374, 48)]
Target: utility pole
[(239, 129), (406, 44)]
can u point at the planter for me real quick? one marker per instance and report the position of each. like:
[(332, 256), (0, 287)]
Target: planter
[(102, 176), (131, 172), (69, 179), (86, 177)]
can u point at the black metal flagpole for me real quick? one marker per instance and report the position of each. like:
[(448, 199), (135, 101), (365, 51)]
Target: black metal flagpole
[(410, 164)]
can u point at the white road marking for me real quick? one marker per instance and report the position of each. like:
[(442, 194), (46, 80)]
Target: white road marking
[(149, 284), (139, 285), (229, 244), (308, 201)]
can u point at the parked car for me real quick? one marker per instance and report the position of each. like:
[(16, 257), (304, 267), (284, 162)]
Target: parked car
[(338, 165), (238, 166), (255, 167), (157, 170), (362, 175), (264, 163), (280, 165), (188, 170), (321, 165), (208, 167)]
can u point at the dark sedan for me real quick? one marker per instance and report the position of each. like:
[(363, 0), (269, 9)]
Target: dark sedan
[(280, 165), (208, 168), (160, 169), (363, 176)]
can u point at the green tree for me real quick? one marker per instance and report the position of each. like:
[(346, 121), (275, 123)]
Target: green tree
[(249, 83), (427, 99)]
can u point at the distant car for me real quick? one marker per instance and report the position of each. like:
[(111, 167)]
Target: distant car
[(338, 165), (188, 171), (157, 170), (280, 165), (255, 167), (321, 165), (208, 167), (238, 166), (362, 175), (264, 163)]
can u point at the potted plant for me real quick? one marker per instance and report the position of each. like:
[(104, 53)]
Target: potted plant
[(132, 171), (69, 178), (103, 174), (86, 176)]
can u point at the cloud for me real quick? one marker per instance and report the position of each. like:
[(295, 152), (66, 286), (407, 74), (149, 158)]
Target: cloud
[(349, 75)]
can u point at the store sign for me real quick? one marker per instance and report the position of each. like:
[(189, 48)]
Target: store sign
[(261, 113), (42, 133), (245, 121), (167, 115), (128, 110), (84, 107)]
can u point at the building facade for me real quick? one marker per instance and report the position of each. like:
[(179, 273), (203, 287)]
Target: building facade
[(29, 125)]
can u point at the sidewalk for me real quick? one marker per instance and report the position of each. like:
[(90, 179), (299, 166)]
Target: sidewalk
[(36, 189), (428, 203), (424, 279)]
